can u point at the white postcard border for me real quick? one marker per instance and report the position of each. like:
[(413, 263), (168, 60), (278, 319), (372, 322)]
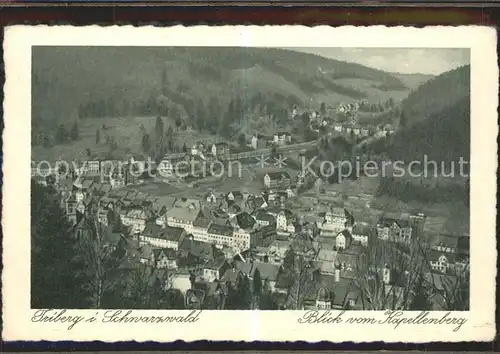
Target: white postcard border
[(248, 325)]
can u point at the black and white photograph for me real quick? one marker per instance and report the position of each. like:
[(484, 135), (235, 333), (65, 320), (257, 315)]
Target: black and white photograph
[(216, 176), (250, 178)]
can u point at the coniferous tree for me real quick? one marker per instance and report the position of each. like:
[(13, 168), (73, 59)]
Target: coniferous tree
[(97, 136), (200, 116), (61, 134), (75, 132), (322, 109), (402, 120), (257, 283), (146, 143), (57, 272), (237, 113)]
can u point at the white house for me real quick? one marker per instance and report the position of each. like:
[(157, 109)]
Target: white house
[(336, 219), (395, 230), (277, 179), (183, 215), (281, 221), (343, 240), (254, 140), (165, 168), (211, 197), (215, 269), (136, 218), (361, 234)]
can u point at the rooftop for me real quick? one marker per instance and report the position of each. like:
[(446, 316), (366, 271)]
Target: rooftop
[(220, 230), (184, 214), (164, 233)]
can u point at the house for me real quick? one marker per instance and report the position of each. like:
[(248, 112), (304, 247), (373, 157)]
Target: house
[(356, 130), (196, 149), (325, 259), (135, 218), (337, 219), (277, 251), (105, 217), (256, 202), (146, 255), (232, 278), (254, 141), (183, 214), (215, 269), (328, 292), (220, 150), (268, 272), (365, 132), (163, 237), (362, 234), (181, 280), (395, 230), (92, 167), (277, 180), (451, 244), (114, 240), (165, 258), (284, 221), (243, 239), (83, 230), (165, 168), (235, 196), (195, 299), (71, 211), (449, 254), (264, 219), (343, 240), (282, 138), (200, 251), (211, 197), (338, 127), (200, 229), (220, 235)]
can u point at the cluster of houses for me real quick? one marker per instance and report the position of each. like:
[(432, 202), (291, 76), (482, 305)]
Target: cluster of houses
[(206, 247)]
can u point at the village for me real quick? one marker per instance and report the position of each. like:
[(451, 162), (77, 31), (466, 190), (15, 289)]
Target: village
[(272, 238)]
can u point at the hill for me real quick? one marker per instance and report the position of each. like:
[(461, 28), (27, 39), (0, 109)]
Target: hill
[(72, 82), (437, 94), (412, 81), (437, 118)]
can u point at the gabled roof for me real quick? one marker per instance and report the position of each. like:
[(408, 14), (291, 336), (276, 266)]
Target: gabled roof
[(264, 216), (215, 264), (201, 221), (278, 175), (222, 145), (268, 271), (388, 222), (184, 214), (220, 230), (164, 252), (245, 221), (198, 249), (164, 233)]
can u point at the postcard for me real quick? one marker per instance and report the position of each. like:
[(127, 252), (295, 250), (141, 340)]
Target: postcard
[(244, 183)]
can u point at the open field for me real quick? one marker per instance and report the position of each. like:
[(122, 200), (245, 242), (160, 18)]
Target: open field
[(125, 131)]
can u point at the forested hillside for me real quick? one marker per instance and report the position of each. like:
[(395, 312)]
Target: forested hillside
[(71, 83), (437, 94), (436, 120)]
